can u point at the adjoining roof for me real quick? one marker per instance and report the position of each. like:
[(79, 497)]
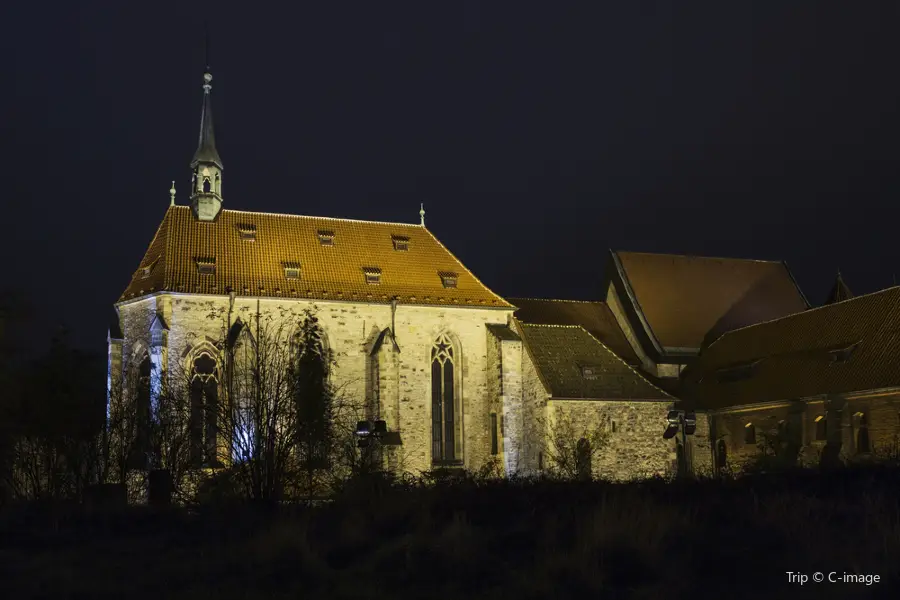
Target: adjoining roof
[(687, 300), (839, 292), (596, 317), (504, 333), (333, 271), (560, 353), (850, 346)]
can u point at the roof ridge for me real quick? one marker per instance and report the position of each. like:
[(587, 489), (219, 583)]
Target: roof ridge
[(273, 214), (757, 260), (802, 312), (550, 325), (511, 298)]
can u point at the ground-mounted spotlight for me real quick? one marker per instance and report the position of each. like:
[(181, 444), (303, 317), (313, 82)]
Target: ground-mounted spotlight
[(690, 423), (380, 428), (363, 428)]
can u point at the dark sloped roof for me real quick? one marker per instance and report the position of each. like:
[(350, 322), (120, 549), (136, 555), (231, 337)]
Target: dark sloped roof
[(503, 333), (839, 292), (560, 351), (596, 317), (689, 299), (801, 355), (335, 272)]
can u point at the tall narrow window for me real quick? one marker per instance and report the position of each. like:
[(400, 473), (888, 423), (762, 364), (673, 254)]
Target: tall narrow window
[(494, 441), (583, 459), (749, 433), (862, 436), (443, 409), (821, 428), (204, 410), (138, 458), (721, 455)]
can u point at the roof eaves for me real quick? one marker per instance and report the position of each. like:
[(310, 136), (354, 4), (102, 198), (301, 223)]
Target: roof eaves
[(620, 269)]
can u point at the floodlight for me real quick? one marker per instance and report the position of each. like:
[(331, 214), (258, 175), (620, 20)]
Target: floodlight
[(671, 431), (674, 417), (690, 423), (363, 428), (380, 428)]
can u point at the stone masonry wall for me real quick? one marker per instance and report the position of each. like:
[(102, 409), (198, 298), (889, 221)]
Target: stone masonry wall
[(635, 447), (351, 329)]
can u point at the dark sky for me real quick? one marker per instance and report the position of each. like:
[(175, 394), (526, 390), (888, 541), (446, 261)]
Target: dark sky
[(538, 134)]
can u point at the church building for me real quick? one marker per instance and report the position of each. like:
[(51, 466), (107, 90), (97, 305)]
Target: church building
[(460, 380), (463, 377)]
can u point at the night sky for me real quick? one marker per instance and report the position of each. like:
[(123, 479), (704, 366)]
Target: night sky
[(538, 134)]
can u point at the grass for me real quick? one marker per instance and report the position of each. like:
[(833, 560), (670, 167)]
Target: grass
[(469, 539)]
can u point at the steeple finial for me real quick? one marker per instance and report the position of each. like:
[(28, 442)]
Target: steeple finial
[(206, 145), (422, 214), (172, 195)]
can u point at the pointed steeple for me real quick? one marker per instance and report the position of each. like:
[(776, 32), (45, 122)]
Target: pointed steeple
[(206, 183), (839, 291), (206, 146)]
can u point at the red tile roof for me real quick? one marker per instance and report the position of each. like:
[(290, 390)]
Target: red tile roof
[(335, 272)]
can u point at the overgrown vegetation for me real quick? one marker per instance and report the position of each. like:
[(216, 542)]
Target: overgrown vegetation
[(470, 537)]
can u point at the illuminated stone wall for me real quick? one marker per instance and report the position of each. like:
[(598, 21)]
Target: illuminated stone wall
[(636, 449), (351, 330)]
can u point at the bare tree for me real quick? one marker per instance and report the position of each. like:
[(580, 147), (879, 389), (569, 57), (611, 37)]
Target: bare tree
[(571, 446)]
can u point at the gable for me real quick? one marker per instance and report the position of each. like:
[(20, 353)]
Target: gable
[(686, 301)]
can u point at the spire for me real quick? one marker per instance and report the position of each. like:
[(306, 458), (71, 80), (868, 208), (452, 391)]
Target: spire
[(839, 291), (422, 213), (206, 146)]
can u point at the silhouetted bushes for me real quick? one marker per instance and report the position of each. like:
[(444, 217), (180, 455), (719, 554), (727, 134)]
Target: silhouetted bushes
[(471, 537)]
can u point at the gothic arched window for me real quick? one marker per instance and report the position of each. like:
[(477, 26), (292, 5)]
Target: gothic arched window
[(206, 185), (445, 421), (141, 446), (204, 409), (721, 455)]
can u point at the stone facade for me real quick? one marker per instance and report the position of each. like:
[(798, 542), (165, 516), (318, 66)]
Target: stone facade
[(403, 384), (634, 446), (743, 431)]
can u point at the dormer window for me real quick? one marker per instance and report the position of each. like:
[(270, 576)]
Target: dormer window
[(326, 238), (448, 279), (373, 275), (401, 243), (247, 232), (206, 265), (291, 270), (589, 372)]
